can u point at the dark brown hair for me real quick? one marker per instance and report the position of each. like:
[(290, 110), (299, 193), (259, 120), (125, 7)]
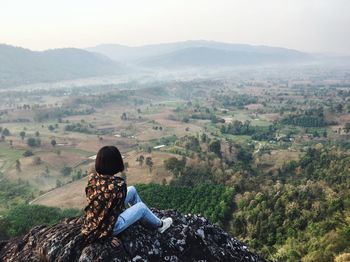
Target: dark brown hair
[(109, 161)]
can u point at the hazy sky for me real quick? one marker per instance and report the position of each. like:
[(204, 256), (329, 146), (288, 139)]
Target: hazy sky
[(308, 25)]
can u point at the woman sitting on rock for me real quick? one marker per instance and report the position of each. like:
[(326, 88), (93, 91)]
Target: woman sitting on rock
[(113, 207)]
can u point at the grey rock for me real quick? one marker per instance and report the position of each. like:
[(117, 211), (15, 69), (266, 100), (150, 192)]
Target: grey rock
[(190, 238)]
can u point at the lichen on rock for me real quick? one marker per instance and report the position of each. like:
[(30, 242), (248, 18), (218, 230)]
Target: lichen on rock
[(191, 238)]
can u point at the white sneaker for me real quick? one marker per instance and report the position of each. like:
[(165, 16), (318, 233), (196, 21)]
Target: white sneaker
[(167, 222)]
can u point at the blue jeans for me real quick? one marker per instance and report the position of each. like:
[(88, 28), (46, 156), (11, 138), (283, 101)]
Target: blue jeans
[(137, 211)]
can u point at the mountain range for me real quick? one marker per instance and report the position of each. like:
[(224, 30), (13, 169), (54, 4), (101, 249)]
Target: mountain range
[(199, 53), (22, 66)]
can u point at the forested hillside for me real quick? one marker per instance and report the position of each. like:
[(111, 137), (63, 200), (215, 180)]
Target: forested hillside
[(21, 66), (301, 212)]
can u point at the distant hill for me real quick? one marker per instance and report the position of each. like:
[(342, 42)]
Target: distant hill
[(129, 54), (22, 66), (200, 53), (208, 57)]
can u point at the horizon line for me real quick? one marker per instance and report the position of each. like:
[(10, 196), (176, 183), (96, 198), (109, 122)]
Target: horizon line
[(174, 42)]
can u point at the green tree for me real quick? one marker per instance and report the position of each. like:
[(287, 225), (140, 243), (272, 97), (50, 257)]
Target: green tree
[(339, 108), (5, 132), (149, 150), (22, 135), (124, 116), (58, 183), (175, 166), (325, 134), (53, 142), (347, 127), (20, 219), (215, 147), (66, 170), (140, 159), (33, 142), (204, 137), (28, 153), (149, 163)]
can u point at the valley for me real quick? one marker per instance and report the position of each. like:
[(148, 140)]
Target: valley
[(251, 133)]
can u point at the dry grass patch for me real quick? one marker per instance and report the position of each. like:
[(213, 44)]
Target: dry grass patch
[(73, 194)]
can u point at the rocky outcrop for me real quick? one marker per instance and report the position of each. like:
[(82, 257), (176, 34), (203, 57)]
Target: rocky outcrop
[(191, 238)]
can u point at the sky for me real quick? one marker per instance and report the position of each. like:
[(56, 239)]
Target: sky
[(306, 25)]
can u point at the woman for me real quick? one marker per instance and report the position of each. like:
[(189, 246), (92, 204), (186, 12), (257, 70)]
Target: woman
[(107, 212)]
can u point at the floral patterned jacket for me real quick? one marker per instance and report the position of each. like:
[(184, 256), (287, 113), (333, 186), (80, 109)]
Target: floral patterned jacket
[(105, 196)]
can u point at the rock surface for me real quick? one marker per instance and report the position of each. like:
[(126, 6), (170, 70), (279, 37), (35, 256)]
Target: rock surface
[(191, 238)]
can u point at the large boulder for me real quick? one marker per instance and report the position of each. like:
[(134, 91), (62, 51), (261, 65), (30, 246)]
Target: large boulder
[(191, 238)]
